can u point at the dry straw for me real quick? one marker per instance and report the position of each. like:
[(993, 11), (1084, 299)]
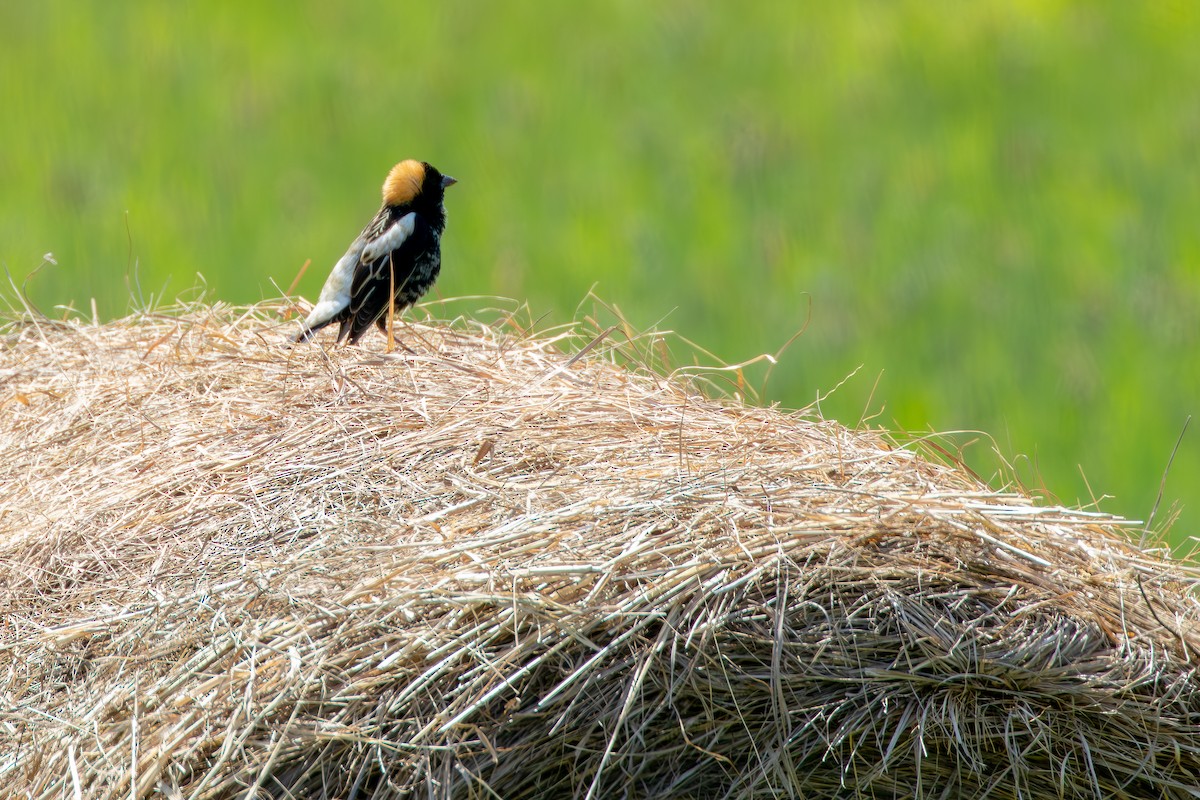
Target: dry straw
[(487, 568)]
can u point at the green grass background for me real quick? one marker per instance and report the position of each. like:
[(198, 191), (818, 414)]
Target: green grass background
[(992, 208)]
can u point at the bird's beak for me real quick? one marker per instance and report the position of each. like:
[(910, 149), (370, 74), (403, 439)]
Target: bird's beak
[(447, 181)]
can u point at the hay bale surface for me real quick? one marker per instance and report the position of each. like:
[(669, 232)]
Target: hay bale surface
[(486, 568)]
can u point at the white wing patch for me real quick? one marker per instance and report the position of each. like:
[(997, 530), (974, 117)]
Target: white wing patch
[(335, 294), (390, 239)]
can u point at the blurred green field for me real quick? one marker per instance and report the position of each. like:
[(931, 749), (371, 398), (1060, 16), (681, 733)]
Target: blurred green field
[(992, 208)]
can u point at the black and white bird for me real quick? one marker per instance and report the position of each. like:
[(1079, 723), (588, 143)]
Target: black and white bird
[(397, 256)]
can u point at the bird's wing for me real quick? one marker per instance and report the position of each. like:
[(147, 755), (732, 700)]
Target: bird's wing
[(373, 275)]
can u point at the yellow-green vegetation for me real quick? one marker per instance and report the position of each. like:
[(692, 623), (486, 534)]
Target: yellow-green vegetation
[(990, 207)]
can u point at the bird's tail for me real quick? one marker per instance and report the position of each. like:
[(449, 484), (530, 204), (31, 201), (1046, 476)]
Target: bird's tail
[(308, 331)]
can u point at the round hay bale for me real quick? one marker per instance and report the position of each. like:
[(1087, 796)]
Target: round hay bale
[(486, 568)]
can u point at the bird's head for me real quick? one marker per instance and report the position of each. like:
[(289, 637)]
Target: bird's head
[(411, 181)]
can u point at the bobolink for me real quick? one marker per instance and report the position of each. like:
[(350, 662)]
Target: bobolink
[(397, 256)]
